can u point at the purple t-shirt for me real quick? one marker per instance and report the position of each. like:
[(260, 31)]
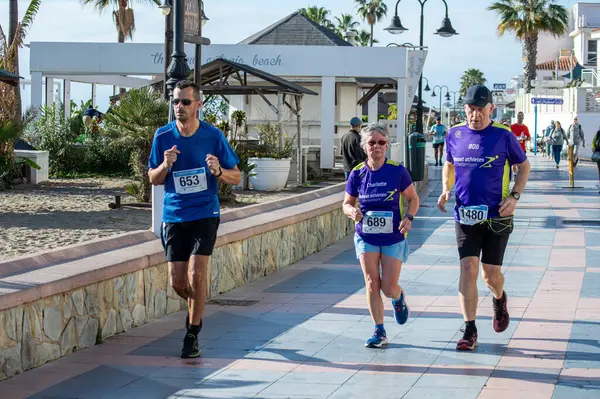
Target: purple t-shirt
[(379, 195), (482, 161)]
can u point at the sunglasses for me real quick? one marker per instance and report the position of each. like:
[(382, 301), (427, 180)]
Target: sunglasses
[(380, 142), (185, 101)]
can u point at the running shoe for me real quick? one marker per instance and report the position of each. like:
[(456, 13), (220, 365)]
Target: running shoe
[(501, 317), (401, 311), (377, 340), (191, 348), (469, 339)]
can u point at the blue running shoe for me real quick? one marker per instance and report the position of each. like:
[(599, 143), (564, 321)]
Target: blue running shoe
[(400, 309), (377, 340)]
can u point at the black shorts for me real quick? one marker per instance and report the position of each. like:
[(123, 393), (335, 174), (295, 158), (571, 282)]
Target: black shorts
[(479, 240), (437, 145), (184, 239)]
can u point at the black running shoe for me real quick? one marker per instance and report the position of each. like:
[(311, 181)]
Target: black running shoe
[(191, 348)]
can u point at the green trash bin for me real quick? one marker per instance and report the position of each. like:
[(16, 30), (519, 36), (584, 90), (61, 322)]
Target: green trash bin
[(416, 156)]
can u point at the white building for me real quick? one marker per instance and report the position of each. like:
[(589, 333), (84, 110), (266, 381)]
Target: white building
[(558, 58)]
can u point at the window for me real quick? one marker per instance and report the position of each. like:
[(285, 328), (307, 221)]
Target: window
[(592, 53)]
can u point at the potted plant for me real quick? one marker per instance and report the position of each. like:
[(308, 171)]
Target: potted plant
[(272, 159)]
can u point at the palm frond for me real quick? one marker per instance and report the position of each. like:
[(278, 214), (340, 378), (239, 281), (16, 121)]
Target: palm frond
[(30, 13)]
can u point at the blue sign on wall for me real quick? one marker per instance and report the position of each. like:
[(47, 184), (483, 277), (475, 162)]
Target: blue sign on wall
[(551, 101)]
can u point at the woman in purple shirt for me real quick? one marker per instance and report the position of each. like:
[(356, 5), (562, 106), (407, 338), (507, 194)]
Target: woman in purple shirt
[(381, 225)]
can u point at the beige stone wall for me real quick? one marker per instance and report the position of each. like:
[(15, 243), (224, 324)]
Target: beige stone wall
[(44, 330)]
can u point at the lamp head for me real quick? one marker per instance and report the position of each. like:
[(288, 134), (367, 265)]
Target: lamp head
[(395, 26)]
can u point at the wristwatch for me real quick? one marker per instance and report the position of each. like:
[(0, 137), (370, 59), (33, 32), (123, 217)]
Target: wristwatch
[(220, 172), (409, 217), (515, 195)]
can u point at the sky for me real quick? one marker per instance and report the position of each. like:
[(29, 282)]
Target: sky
[(476, 46)]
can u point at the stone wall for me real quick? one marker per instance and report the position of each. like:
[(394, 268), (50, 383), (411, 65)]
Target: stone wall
[(40, 331)]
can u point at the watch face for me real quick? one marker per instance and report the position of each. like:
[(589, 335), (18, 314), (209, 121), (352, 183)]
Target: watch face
[(516, 195)]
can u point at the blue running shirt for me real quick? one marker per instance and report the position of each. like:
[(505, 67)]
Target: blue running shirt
[(379, 195), (482, 161), (190, 188), (438, 133)]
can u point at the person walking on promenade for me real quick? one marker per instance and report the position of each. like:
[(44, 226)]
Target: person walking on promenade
[(559, 138), (189, 157), (382, 224), (596, 153), (352, 152), (576, 138), (479, 156)]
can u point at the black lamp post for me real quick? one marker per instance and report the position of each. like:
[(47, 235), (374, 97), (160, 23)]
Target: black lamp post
[(446, 30), (454, 93), (178, 68), (447, 95)]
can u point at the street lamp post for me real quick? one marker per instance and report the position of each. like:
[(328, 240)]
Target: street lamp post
[(446, 30), (454, 93), (447, 95), (198, 55), (168, 49), (178, 68)]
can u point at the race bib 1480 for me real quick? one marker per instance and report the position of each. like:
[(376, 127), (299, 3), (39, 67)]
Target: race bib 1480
[(190, 181), (472, 215), (378, 222)]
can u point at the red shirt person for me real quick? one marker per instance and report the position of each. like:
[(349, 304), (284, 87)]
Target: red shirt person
[(521, 131)]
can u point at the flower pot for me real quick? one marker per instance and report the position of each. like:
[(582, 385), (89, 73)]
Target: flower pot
[(243, 183), (270, 174)]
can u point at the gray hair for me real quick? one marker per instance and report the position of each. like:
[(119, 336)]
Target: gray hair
[(368, 131)]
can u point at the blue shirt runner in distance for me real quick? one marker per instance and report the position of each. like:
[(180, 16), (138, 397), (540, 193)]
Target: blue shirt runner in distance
[(482, 161), (438, 133), (379, 192), (193, 195)]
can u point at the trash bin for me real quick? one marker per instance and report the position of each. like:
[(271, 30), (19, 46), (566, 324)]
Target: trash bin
[(416, 156)]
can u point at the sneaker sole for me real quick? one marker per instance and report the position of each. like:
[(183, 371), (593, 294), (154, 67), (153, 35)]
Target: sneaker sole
[(377, 346), (466, 348), (190, 355)]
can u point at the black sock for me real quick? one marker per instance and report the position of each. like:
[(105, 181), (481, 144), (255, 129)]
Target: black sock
[(193, 329), (471, 325)]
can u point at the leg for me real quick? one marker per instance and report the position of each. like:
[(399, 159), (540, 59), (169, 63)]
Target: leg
[(441, 149), (492, 258), (390, 273), (469, 242), (178, 278), (197, 276), (392, 258), (467, 287), (369, 261)]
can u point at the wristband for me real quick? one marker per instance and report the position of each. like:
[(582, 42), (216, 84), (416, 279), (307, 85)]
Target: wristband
[(220, 172)]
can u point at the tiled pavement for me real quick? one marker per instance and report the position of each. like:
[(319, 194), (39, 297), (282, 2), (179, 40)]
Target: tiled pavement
[(304, 335)]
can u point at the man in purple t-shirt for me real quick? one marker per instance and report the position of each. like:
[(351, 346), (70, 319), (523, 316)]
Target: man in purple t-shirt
[(479, 157)]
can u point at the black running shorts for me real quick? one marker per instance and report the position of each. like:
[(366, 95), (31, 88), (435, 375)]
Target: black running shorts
[(478, 240), (437, 145), (184, 239)]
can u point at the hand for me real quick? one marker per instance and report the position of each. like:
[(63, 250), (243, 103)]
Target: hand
[(507, 206), (445, 197), (171, 156), (213, 164), (405, 225), (355, 214)]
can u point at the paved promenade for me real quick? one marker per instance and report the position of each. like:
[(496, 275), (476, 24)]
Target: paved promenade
[(301, 331)]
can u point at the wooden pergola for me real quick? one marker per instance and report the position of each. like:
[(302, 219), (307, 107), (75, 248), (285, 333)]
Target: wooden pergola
[(225, 78)]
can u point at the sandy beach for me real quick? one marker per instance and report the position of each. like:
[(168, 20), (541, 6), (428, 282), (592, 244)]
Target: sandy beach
[(63, 212)]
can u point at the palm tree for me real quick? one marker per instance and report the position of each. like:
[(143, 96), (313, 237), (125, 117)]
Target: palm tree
[(10, 98), (470, 77), (364, 38), (527, 19), (345, 23), (135, 120), (372, 12), (318, 15), (122, 14)]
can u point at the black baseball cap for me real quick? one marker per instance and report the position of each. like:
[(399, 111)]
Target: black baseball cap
[(478, 95)]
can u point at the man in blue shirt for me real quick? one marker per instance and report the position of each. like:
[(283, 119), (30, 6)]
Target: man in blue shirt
[(439, 137), (189, 157)]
